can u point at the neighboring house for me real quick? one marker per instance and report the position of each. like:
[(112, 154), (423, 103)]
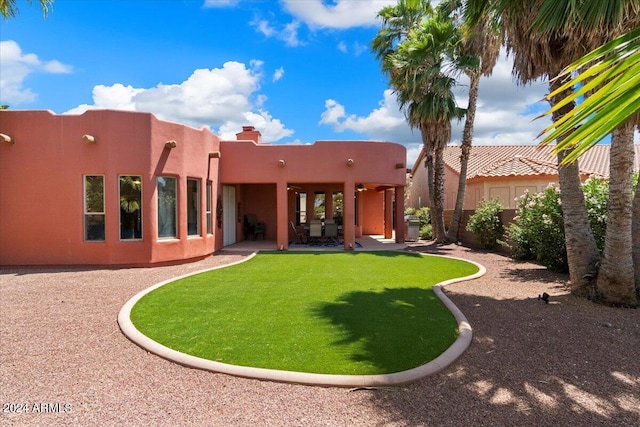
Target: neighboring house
[(115, 187), (504, 172)]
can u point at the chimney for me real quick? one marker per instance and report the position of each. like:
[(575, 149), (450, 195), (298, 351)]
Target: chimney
[(249, 133)]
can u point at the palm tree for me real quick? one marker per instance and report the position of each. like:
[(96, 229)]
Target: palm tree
[(544, 53), (482, 40), (8, 8), (613, 76), (416, 62)]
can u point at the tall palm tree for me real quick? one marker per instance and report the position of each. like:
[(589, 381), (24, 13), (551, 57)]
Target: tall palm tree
[(481, 40), (538, 54), (418, 65), (618, 281), (9, 9)]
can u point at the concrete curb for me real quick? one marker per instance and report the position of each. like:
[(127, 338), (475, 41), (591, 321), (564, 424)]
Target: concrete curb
[(397, 378)]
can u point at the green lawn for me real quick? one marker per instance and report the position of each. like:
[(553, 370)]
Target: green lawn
[(351, 313)]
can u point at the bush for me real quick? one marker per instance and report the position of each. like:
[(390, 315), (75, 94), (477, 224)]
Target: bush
[(538, 229), (596, 196), (485, 223), (426, 233)]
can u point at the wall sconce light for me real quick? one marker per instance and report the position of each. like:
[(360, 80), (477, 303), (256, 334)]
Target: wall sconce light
[(170, 144), (214, 155), (360, 187), (6, 138), (89, 138), (349, 162), (281, 163)]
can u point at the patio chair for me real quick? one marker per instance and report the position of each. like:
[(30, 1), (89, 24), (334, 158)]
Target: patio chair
[(299, 234), (315, 231), (253, 226), (331, 232)]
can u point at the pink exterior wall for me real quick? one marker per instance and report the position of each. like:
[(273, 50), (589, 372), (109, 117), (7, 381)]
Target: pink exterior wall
[(325, 166), (41, 185)]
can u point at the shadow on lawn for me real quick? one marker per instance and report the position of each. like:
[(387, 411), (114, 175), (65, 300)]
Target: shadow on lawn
[(394, 330)]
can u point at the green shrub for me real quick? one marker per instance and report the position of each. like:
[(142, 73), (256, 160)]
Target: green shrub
[(409, 211), (426, 233), (423, 216), (596, 196), (538, 229), (485, 223)]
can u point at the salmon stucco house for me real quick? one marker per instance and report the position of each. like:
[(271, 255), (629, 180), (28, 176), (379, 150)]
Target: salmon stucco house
[(504, 172), (125, 188)]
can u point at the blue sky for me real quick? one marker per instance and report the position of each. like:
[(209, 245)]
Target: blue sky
[(298, 70)]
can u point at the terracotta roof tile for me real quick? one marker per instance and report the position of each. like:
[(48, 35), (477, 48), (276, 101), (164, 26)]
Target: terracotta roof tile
[(525, 160)]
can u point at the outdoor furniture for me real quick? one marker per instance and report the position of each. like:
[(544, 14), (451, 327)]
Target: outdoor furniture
[(331, 232), (253, 226), (299, 234), (315, 231)]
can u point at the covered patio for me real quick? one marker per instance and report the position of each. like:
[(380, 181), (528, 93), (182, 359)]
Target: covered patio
[(356, 185)]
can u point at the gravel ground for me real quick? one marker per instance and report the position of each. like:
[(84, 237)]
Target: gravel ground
[(569, 362)]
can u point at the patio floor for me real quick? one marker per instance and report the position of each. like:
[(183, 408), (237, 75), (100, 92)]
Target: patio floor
[(366, 243)]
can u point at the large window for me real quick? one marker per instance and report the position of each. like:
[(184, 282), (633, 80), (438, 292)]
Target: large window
[(193, 207), (167, 212), (209, 218), (94, 208), (301, 208), (130, 207), (318, 205)]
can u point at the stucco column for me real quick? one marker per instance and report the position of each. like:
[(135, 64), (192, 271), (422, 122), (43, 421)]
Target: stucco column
[(282, 231), (388, 214), (399, 193), (349, 216)]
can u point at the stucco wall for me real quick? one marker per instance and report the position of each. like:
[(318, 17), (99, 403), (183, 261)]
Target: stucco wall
[(41, 185)]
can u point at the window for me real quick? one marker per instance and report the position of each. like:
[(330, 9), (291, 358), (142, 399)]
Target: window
[(209, 218), (301, 208), (167, 212), (338, 207), (193, 207), (94, 208), (130, 207), (318, 206)]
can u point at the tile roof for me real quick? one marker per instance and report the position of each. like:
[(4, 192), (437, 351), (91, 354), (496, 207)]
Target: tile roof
[(524, 160)]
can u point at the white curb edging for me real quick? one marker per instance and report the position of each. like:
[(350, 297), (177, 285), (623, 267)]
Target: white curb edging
[(461, 343)]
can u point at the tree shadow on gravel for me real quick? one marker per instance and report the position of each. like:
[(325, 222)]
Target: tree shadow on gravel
[(569, 362)]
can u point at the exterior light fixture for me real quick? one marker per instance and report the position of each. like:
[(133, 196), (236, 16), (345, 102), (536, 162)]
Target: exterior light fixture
[(214, 155), (399, 165), (170, 144), (350, 162), (360, 187), (282, 163), (89, 138), (6, 138)]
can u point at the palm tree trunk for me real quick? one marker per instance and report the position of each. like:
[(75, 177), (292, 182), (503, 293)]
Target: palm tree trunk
[(437, 218), (465, 153), (636, 237), (616, 283), (428, 164), (582, 252)]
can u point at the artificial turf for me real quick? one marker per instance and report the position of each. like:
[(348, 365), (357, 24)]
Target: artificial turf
[(355, 313)]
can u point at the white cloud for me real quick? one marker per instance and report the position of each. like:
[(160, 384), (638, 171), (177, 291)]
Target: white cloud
[(505, 114), (342, 47), (278, 74), (357, 48), (16, 66), (224, 98), (287, 33), (340, 14)]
